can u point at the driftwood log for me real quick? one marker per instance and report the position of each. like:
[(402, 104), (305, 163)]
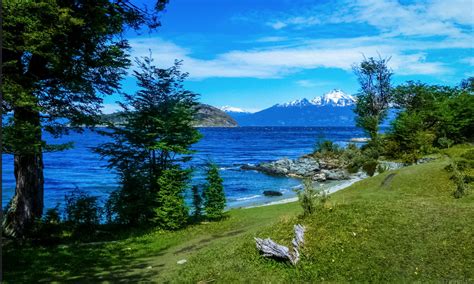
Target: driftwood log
[(271, 249)]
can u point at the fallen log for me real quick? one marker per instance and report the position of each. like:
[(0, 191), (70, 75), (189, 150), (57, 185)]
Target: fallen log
[(271, 249)]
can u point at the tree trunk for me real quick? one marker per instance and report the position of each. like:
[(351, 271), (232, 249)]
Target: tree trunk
[(27, 204)]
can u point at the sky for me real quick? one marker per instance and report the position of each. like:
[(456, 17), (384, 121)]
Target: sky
[(253, 54)]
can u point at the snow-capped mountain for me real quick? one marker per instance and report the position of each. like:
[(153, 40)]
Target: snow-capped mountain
[(334, 98), (334, 108), (232, 109), (295, 103)]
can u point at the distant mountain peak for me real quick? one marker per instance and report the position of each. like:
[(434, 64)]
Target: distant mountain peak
[(232, 109), (335, 97), (296, 103)]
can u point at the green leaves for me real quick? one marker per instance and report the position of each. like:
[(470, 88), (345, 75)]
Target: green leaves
[(214, 196)]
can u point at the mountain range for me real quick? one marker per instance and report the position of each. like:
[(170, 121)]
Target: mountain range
[(334, 108)]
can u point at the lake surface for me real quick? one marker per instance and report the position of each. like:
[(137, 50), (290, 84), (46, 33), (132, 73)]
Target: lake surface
[(229, 148)]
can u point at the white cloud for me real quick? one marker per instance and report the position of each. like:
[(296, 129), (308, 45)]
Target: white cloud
[(429, 18), (280, 61)]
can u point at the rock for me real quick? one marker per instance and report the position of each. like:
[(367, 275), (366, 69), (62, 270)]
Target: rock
[(272, 193), (182, 261), (319, 177), (335, 174)]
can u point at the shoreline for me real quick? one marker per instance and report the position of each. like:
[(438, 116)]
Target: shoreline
[(330, 190)]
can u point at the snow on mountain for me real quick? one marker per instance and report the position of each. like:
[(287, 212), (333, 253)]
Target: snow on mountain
[(334, 98), (296, 103), (232, 109)]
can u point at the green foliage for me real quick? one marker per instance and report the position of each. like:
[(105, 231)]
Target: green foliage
[(326, 148), (311, 198), (214, 195), (157, 134), (83, 211), (370, 166), (456, 168), (59, 59), (172, 212), (444, 142), (430, 116), (132, 204), (197, 201), (468, 155), (374, 96)]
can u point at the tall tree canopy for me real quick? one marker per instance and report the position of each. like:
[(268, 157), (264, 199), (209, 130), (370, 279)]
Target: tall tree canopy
[(59, 59), (374, 95), (156, 137)]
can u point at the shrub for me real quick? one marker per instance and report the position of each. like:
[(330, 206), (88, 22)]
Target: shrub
[(459, 179), (370, 166), (327, 148), (445, 142), (382, 168), (172, 212), (132, 204), (214, 196), (311, 198), (82, 210)]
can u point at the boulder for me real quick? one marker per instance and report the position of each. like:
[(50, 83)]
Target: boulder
[(335, 174), (272, 193)]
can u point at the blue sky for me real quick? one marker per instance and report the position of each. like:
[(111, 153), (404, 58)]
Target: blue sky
[(255, 53)]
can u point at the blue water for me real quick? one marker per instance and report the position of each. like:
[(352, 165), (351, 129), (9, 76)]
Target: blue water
[(229, 148)]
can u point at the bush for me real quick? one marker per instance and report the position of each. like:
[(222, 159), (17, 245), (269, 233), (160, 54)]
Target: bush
[(327, 148), (214, 196), (459, 178), (132, 204), (172, 212), (370, 166), (82, 210), (444, 142), (311, 198)]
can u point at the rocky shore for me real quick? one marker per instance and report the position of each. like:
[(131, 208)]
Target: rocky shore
[(304, 167)]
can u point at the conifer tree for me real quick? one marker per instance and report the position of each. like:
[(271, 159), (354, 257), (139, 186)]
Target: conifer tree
[(214, 196), (172, 212), (156, 135)]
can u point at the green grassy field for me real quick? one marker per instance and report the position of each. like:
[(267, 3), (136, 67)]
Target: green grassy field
[(401, 225)]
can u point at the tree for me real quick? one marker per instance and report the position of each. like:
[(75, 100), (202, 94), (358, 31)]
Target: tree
[(214, 196), (172, 212), (59, 59), (156, 135), (429, 116), (374, 97)]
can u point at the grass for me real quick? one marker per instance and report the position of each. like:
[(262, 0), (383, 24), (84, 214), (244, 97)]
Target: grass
[(398, 226)]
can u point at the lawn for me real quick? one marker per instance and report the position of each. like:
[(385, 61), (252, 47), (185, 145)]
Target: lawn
[(401, 225)]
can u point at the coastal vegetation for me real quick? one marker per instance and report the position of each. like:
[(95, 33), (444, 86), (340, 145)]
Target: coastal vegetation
[(401, 225), (57, 65), (411, 223)]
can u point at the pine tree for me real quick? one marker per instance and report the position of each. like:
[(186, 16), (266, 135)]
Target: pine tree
[(214, 197), (172, 212), (157, 134)]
